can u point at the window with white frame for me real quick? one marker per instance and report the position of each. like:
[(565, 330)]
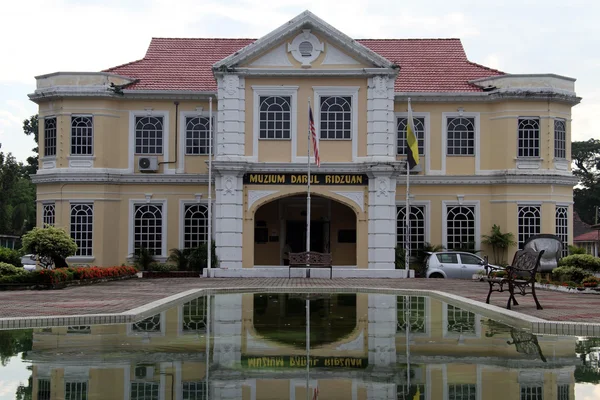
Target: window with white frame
[(531, 392), (82, 135), (417, 227), (529, 137), (460, 321), (82, 226), (530, 220), (563, 392), (195, 225), (562, 228), (48, 214), (460, 227), (44, 391), (194, 391), (401, 124), (49, 136), (460, 136), (462, 391), (147, 228), (197, 135), (411, 310), (77, 390), (81, 329), (145, 390), (336, 117), (560, 138), (150, 324), (275, 117), (148, 135), (194, 315)]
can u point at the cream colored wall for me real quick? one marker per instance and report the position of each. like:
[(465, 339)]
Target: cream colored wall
[(329, 150)]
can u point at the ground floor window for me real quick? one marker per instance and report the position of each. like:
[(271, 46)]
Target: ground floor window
[(562, 228), (76, 390), (82, 218), (460, 227), (145, 390), (530, 220), (194, 391), (48, 214), (195, 225), (462, 392), (531, 392), (417, 227), (148, 228)]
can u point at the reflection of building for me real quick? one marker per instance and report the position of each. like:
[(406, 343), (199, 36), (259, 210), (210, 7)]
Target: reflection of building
[(123, 152), (454, 354)]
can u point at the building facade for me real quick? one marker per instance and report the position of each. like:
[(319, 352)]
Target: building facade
[(124, 152)]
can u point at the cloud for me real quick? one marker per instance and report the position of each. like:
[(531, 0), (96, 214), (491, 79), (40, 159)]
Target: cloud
[(8, 388)]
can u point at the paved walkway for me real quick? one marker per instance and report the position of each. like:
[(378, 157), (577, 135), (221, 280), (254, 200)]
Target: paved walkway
[(122, 296)]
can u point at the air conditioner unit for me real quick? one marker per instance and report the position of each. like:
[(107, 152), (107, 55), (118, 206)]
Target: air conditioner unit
[(148, 164), (144, 372)]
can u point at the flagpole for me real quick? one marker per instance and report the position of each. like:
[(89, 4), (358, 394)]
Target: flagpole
[(407, 208), (209, 250), (308, 138)]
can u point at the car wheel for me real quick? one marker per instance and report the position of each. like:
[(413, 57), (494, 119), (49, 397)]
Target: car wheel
[(436, 275)]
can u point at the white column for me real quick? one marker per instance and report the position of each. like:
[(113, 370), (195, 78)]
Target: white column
[(382, 218), (231, 118), (381, 127), (226, 331), (229, 210), (381, 391), (382, 317), (226, 390)]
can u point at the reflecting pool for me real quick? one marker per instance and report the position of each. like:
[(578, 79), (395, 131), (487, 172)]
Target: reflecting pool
[(255, 346)]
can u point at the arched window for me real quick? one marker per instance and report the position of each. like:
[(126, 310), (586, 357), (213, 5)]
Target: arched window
[(148, 135), (82, 216), (197, 135), (402, 122), (50, 136), (460, 136), (48, 214), (275, 117), (529, 137), (195, 225), (148, 230), (336, 117), (529, 222), (417, 227), (562, 227), (560, 138), (82, 135), (460, 227)]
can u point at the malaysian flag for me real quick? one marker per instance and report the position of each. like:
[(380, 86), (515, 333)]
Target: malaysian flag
[(313, 136)]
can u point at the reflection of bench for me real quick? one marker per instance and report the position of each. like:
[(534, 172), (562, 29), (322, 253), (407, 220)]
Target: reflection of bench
[(310, 259)]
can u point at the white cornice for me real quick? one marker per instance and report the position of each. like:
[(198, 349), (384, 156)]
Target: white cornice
[(115, 178), (491, 96), (497, 77), (313, 72)]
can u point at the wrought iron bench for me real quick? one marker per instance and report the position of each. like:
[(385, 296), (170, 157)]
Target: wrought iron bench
[(311, 259), (520, 276)]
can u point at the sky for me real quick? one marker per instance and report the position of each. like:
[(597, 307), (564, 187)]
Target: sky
[(525, 36)]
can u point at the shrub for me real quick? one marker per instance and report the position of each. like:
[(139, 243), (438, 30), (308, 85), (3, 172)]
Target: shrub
[(10, 256), (143, 258), (181, 258), (163, 267), (400, 257), (9, 269), (59, 275), (574, 274), (198, 257), (590, 281), (585, 261), (576, 250), (51, 245)]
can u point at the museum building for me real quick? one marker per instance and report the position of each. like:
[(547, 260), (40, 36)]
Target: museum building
[(124, 152)]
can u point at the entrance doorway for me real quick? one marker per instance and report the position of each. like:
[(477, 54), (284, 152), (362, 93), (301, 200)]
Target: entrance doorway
[(296, 235)]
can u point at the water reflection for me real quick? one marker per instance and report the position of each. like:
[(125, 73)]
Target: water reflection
[(254, 346)]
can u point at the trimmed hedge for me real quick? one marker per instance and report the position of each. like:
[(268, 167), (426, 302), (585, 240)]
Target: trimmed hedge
[(570, 274), (7, 269), (10, 256), (585, 261), (64, 275)]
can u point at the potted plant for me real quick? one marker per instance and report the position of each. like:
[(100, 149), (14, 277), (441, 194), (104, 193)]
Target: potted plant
[(499, 242)]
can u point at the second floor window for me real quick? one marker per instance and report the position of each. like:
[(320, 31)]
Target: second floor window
[(560, 139), (460, 136), (529, 137), (50, 136), (336, 117), (197, 134), (275, 117), (402, 122), (82, 135), (148, 135)]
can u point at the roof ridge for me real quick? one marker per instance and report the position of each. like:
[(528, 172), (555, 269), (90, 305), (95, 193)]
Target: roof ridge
[(123, 65), (488, 68), (415, 39), (200, 38)]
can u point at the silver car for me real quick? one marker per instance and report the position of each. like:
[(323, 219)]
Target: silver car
[(454, 265)]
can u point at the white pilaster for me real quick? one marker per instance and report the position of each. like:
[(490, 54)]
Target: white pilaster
[(382, 218), (382, 330), (381, 391), (226, 390), (226, 331), (232, 117), (229, 212), (381, 129)]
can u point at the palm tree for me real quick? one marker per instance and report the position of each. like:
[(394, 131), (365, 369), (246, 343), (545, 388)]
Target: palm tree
[(499, 242)]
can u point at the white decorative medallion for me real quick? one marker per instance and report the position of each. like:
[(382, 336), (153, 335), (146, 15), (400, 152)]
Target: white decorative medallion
[(356, 197), (255, 195), (229, 185), (305, 48), (382, 187)]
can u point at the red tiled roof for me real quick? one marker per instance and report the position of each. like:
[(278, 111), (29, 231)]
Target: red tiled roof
[(426, 65), (587, 237)]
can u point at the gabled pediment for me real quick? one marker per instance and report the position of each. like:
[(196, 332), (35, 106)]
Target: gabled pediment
[(304, 39)]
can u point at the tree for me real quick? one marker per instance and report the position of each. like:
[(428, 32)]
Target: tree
[(499, 242), (51, 245), (31, 127), (586, 160)]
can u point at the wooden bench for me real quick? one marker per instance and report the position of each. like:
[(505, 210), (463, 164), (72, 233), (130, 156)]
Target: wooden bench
[(520, 276), (311, 259)]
